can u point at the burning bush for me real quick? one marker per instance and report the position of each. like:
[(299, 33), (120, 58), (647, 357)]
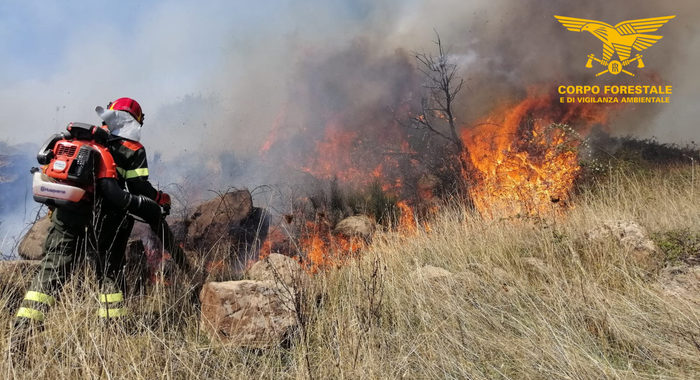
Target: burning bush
[(526, 156)]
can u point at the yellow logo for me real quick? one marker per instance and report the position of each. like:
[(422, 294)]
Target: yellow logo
[(620, 39)]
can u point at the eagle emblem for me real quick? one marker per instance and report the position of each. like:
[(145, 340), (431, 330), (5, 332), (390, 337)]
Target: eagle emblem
[(619, 39)]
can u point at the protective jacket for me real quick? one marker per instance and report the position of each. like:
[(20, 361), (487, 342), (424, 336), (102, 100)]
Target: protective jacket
[(132, 166)]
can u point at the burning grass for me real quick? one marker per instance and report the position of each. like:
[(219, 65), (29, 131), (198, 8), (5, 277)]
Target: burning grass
[(585, 311)]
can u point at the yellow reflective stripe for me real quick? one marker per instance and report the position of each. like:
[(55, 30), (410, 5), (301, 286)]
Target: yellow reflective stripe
[(40, 297), (128, 174), (114, 297), (26, 312), (111, 313)]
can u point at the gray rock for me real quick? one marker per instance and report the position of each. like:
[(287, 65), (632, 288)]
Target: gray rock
[(256, 314), (632, 237), (356, 226), (279, 269)]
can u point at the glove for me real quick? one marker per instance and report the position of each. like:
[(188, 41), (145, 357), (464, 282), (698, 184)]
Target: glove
[(146, 209), (163, 200)]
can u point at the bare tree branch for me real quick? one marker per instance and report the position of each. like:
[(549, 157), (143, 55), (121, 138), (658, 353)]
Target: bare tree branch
[(443, 84)]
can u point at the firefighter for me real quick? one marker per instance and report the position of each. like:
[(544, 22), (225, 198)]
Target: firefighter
[(103, 226), (83, 227)]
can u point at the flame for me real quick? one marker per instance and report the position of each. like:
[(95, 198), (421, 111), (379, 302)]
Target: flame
[(354, 154), (274, 133), (526, 155), (524, 158), (407, 219), (265, 249), (276, 241), (334, 157), (324, 249)]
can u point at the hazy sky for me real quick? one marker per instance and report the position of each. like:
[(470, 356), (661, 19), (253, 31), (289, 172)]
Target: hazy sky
[(205, 70), (61, 59)]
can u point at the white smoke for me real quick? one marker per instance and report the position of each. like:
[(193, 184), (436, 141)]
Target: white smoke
[(213, 76)]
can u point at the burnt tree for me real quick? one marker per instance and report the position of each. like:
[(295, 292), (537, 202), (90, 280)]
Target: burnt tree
[(437, 113)]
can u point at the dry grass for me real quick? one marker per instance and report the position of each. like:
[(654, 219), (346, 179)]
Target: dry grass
[(584, 311)]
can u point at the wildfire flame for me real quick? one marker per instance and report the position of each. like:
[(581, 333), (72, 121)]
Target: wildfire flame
[(407, 219), (526, 156), (524, 160), (325, 249)]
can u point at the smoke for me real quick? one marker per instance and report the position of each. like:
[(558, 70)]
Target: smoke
[(503, 49), (16, 206), (214, 76), (217, 79)]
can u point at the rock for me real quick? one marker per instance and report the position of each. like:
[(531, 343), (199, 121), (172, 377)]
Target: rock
[(213, 221), (632, 237), (681, 281), (429, 272), (15, 276), (467, 280), (536, 266), (356, 226), (255, 314), (278, 269), (31, 247), (628, 233)]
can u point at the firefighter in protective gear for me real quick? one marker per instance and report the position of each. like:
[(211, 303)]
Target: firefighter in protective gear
[(103, 227), (81, 228)]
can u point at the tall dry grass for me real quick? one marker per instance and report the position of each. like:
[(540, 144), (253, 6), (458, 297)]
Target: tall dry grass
[(578, 310)]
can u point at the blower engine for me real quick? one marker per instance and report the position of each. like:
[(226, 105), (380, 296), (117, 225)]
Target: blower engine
[(68, 160)]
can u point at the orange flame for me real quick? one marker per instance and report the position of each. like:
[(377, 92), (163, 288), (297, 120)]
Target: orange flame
[(526, 164), (524, 159), (324, 249), (407, 220)]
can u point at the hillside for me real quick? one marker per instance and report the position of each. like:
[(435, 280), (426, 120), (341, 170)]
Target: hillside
[(528, 298)]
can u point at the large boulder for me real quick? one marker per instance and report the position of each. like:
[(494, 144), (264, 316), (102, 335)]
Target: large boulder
[(32, 244), (279, 269), (356, 226), (255, 314), (632, 237), (213, 221)]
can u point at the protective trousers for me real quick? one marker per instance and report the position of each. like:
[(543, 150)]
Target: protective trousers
[(73, 235)]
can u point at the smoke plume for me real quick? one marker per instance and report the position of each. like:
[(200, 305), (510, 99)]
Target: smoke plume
[(218, 81)]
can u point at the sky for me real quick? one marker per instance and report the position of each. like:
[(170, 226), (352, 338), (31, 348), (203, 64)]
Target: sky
[(205, 70), (61, 59)]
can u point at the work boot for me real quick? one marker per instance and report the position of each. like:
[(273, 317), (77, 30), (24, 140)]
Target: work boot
[(22, 332)]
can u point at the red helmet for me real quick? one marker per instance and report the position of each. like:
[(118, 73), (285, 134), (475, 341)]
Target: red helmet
[(129, 105)]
